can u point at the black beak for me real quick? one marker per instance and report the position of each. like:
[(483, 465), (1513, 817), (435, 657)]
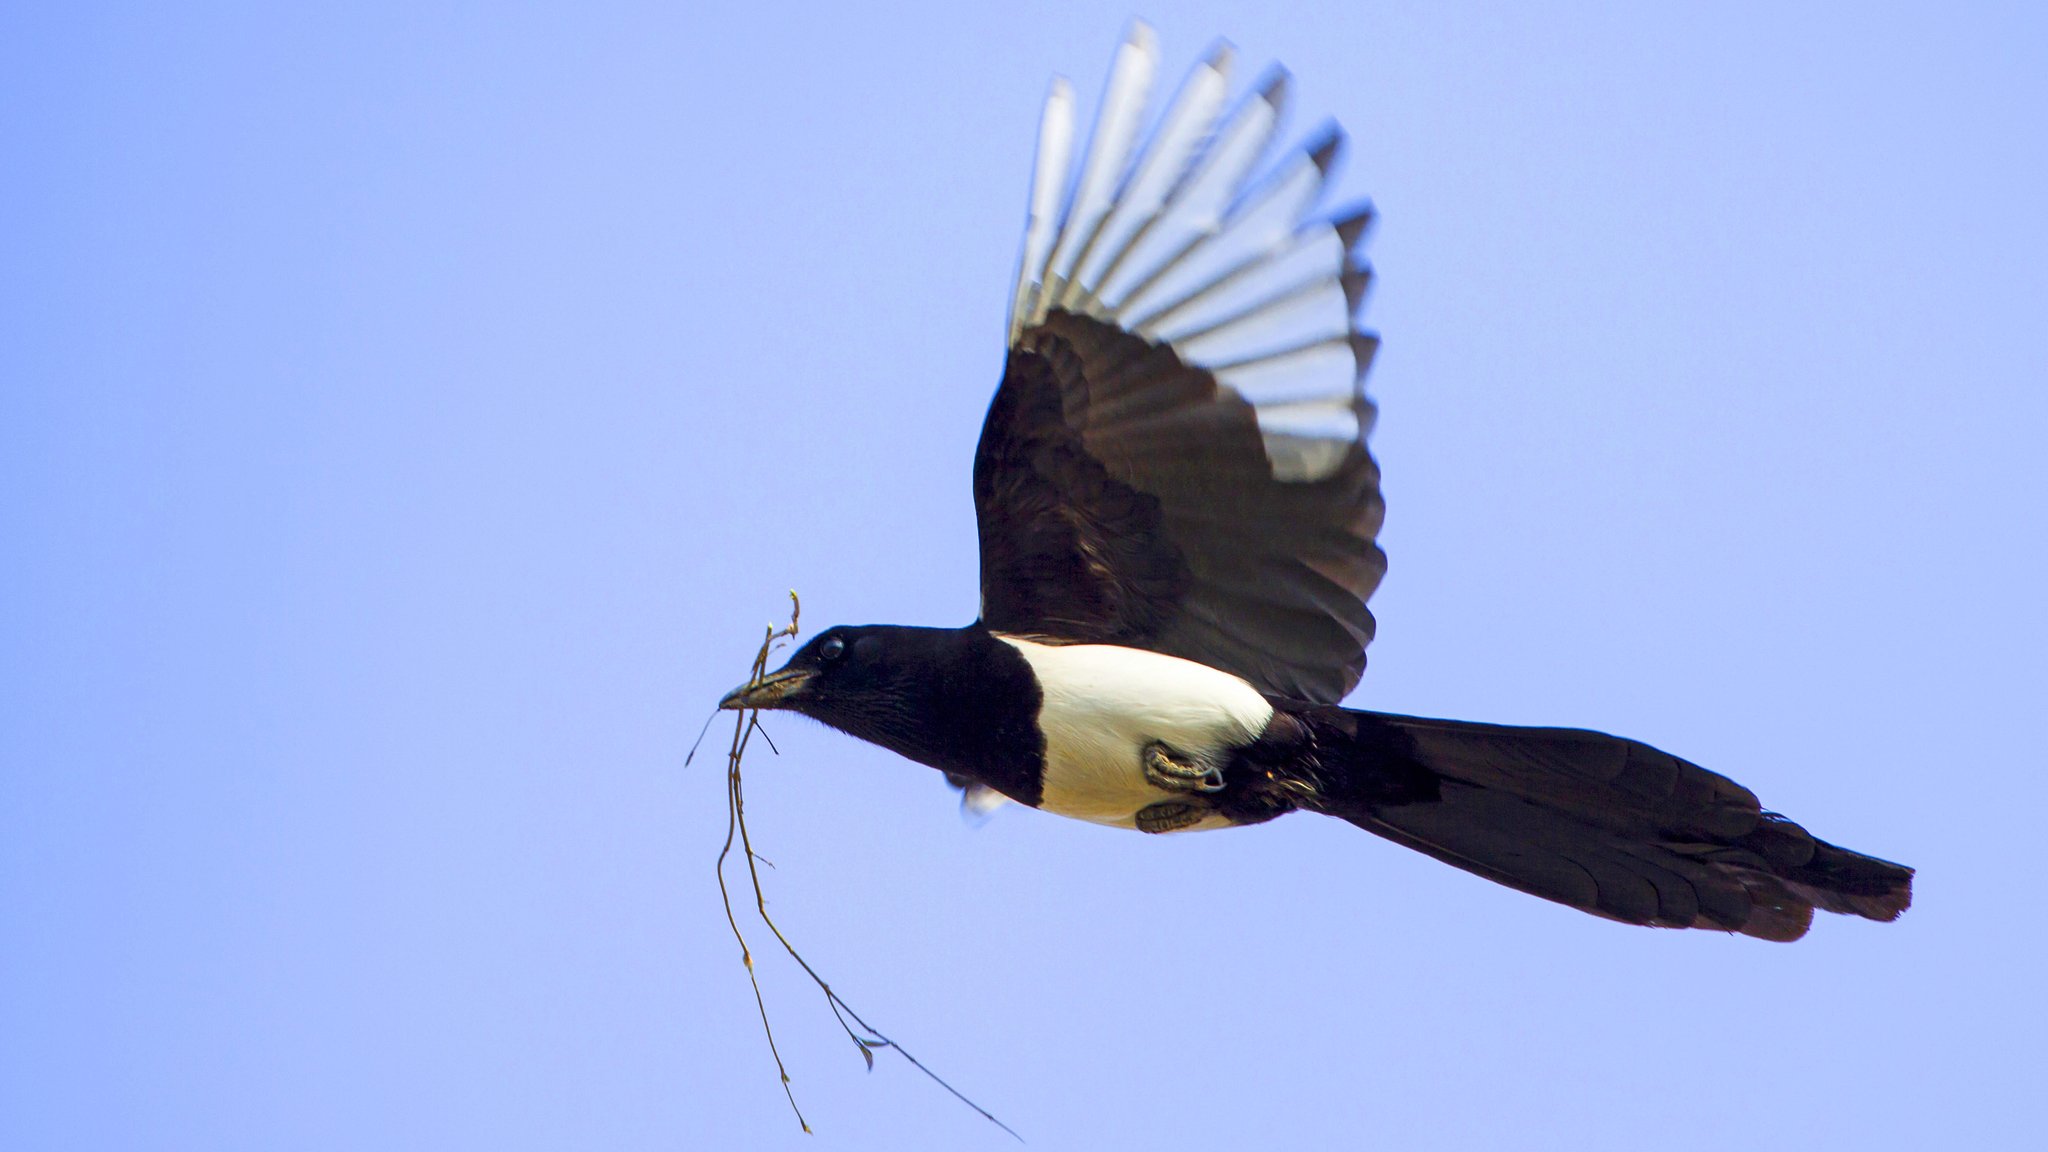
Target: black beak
[(771, 691)]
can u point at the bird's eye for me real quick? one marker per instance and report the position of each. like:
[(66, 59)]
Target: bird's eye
[(832, 649)]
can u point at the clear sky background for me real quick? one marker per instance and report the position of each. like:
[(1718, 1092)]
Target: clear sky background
[(410, 415)]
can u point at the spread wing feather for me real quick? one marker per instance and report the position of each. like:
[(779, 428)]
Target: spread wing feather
[(1176, 457)]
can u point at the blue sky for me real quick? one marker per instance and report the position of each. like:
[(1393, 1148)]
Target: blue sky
[(410, 414)]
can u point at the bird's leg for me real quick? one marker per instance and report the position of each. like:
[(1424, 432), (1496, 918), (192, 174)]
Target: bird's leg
[(1172, 815), (1166, 769)]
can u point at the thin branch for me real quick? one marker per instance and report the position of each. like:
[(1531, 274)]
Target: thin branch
[(868, 1037), (732, 820), (695, 744)]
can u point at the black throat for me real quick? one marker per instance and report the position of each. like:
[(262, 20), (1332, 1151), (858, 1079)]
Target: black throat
[(955, 699)]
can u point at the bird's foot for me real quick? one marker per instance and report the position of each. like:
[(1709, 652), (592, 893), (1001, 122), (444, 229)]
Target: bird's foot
[(1172, 815), (1166, 770)]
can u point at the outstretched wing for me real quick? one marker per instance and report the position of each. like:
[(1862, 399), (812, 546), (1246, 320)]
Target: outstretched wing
[(1176, 457)]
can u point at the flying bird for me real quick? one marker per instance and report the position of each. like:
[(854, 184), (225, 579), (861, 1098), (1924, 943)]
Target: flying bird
[(1177, 514)]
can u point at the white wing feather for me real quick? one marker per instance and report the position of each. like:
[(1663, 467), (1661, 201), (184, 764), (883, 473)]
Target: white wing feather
[(1184, 246)]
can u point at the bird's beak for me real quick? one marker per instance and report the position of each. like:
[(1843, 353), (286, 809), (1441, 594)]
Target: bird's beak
[(771, 691)]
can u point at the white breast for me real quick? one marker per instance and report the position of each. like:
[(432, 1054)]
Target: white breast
[(1103, 704)]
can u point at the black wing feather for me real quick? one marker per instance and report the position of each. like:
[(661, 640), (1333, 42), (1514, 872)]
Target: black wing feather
[(1125, 497)]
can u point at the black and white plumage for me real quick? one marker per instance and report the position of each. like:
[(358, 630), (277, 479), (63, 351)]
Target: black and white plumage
[(1177, 513)]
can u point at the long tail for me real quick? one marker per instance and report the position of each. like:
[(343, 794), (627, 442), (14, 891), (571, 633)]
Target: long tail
[(1607, 825)]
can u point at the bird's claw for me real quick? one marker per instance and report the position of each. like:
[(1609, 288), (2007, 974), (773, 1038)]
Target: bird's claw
[(1164, 770), (1171, 815)]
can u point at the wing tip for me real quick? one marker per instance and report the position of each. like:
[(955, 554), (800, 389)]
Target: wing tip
[(1274, 85), (1355, 281), (1325, 146), (1364, 346), (1353, 223)]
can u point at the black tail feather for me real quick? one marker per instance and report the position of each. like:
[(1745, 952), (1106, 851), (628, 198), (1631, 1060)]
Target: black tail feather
[(1607, 825)]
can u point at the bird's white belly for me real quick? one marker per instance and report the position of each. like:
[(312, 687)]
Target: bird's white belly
[(1104, 704)]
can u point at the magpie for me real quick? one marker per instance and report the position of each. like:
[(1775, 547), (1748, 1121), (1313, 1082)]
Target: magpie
[(1177, 515)]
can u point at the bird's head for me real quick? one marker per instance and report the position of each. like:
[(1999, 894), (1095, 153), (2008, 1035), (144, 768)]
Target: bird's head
[(864, 680)]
